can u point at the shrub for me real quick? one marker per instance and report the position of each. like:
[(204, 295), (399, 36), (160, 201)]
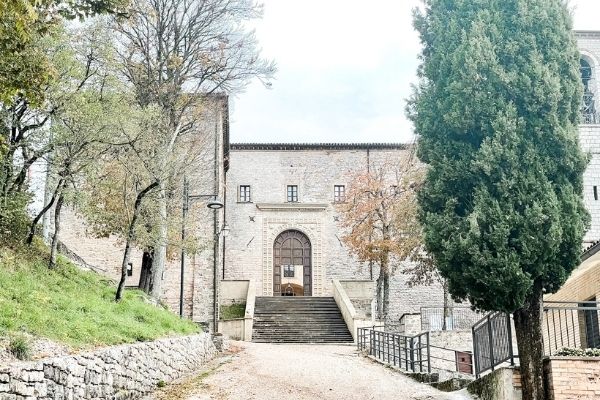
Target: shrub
[(19, 347), (233, 311), (14, 219), (569, 352)]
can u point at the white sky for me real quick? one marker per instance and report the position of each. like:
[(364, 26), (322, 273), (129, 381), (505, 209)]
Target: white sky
[(344, 71)]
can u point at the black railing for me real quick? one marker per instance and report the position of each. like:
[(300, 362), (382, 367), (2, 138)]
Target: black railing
[(570, 324), (410, 353), (492, 342), (455, 318)]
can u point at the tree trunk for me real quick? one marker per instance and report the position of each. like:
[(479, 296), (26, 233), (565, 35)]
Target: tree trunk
[(528, 327), (43, 212), (160, 253), (386, 294), (378, 293), (129, 240), (446, 312), (145, 283), (54, 247)]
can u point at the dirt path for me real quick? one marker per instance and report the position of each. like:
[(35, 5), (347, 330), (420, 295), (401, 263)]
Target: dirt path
[(293, 372)]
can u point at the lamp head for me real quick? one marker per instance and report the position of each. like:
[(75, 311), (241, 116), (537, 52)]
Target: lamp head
[(214, 204)]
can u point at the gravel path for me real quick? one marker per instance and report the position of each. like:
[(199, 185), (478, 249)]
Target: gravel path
[(293, 372)]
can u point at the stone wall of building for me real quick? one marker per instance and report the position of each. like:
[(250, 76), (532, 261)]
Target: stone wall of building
[(570, 378), (121, 372), (589, 138), (315, 169), (589, 134)]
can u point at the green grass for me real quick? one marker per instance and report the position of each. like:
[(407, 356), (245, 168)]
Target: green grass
[(75, 307), (233, 311)]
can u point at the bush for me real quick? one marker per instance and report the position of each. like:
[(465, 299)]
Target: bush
[(233, 311), (569, 352), (19, 347), (14, 219)]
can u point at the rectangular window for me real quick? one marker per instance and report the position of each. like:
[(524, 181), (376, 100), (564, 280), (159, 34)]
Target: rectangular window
[(244, 194), (289, 271), (591, 327), (292, 193), (595, 192), (339, 194)]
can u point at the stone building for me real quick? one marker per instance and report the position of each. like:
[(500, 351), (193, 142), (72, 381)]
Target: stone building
[(589, 132), (281, 194), (281, 216)]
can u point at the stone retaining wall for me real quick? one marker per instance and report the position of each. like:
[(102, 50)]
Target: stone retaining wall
[(120, 372)]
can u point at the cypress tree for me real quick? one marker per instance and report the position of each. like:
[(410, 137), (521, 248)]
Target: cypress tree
[(496, 111)]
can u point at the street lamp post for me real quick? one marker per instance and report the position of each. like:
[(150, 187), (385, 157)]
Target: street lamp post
[(214, 204)]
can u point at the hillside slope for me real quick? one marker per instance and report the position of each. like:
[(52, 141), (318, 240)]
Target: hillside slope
[(74, 307)]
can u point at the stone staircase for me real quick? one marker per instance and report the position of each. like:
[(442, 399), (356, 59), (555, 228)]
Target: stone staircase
[(299, 320)]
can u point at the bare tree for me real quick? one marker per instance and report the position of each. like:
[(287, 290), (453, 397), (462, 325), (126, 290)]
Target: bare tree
[(174, 52)]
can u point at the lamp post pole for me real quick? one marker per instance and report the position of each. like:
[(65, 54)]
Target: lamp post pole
[(214, 205), (184, 211)]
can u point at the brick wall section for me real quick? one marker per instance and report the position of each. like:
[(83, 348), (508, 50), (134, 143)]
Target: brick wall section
[(121, 372), (573, 378)]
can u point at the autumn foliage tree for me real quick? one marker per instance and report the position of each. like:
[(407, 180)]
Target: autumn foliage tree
[(379, 216)]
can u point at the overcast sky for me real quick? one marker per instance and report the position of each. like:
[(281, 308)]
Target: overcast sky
[(344, 71)]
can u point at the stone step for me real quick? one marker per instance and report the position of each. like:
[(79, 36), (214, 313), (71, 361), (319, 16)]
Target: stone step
[(299, 320)]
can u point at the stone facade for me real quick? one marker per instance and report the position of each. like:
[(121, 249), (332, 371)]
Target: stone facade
[(589, 132), (315, 169), (121, 372)]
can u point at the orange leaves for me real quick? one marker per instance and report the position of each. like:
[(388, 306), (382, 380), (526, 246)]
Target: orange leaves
[(379, 217)]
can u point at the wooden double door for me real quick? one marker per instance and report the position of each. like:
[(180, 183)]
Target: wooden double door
[(292, 254)]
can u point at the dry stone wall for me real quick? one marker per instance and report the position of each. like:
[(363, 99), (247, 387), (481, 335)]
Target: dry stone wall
[(121, 372)]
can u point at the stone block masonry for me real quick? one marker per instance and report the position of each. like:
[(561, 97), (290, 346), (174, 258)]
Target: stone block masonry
[(120, 372)]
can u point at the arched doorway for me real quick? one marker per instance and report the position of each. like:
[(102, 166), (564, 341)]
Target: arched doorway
[(292, 268)]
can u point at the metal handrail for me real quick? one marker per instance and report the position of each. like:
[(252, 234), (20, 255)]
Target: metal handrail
[(405, 352)]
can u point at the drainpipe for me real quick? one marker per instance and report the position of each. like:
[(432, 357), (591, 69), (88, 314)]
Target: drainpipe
[(215, 228)]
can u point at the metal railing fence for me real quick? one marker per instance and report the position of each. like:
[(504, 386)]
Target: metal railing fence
[(457, 317), (570, 324), (492, 342), (410, 353)]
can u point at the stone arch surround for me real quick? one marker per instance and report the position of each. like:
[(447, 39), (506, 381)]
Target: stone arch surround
[(273, 227)]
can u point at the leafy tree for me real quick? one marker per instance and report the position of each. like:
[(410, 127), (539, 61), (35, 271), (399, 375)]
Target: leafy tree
[(28, 75), (496, 112), (379, 216), (24, 67), (174, 53)]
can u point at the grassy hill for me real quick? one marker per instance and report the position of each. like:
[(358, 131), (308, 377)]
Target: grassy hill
[(75, 307)]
